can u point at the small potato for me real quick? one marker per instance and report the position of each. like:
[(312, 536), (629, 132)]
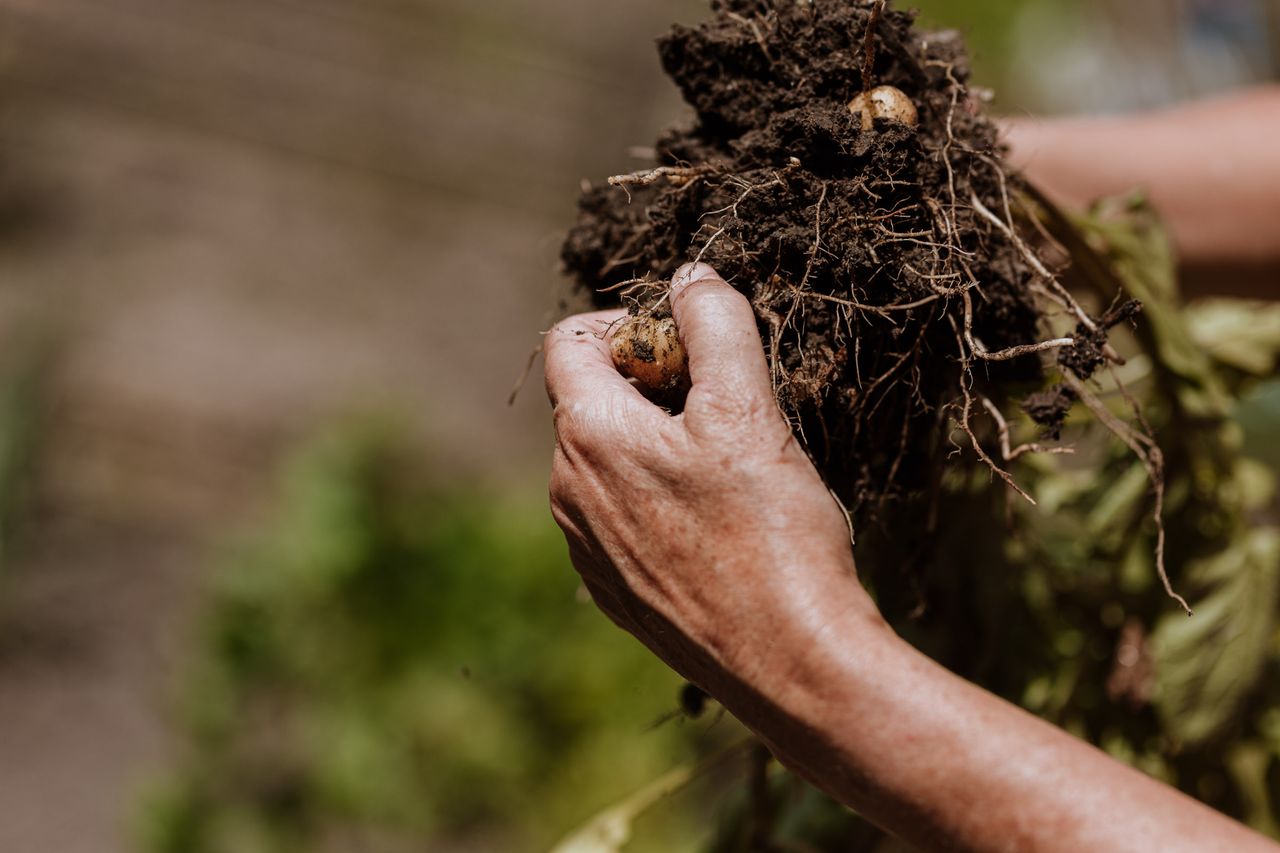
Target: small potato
[(648, 350), (884, 102)]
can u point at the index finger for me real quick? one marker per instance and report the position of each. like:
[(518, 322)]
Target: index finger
[(718, 327)]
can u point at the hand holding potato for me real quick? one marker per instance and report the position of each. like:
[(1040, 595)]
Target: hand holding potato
[(709, 535)]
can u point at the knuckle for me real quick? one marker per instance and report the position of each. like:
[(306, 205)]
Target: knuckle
[(599, 423), (576, 424), (740, 415), (714, 296), (738, 407), (564, 421)]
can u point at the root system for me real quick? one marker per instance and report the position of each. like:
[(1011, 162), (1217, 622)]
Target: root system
[(904, 311)]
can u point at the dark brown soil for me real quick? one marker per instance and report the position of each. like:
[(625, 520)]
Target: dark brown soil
[(859, 249)]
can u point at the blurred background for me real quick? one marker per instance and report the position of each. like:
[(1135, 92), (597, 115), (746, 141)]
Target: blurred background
[(269, 270)]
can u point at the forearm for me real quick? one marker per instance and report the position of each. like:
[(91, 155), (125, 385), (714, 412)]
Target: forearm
[(1209, 167), (946, 765)]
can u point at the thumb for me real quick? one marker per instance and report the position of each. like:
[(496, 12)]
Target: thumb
[(718, 328)]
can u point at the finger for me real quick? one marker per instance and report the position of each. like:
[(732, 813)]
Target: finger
[(578, 363), (718, 328)]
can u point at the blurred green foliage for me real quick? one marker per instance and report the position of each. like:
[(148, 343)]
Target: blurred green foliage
[(395, 663), (987, 26), (990, 28)]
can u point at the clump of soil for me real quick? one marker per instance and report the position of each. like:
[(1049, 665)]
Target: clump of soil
[(896, 298)]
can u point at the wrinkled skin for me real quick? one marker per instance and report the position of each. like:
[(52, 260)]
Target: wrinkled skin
[(681, 526), (710, 537)]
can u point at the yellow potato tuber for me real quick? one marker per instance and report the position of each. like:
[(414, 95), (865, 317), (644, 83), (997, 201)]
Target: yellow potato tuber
[(648, 350), (884, 102)]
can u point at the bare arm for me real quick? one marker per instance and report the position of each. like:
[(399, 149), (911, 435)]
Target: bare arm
[(1210, 167), (946, 765), (710, 536)]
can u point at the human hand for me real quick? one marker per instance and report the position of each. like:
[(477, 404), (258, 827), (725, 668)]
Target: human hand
[(708, 534)]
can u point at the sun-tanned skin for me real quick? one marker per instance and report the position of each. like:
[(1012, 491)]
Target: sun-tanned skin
[(710, 536), (1210, 167)]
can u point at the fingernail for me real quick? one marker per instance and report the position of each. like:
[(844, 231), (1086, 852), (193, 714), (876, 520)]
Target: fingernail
[(689, 273)]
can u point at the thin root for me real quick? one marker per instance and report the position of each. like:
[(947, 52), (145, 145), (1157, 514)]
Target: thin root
[(1010, 454), (524, 376), (965, 412), (1144, 447), (677, 176)]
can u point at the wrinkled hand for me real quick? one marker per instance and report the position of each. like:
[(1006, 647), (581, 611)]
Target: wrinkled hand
[(708, 534)]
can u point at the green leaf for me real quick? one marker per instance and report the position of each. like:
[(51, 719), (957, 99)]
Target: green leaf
[(1248, 764), (1140, 255), (1209, 663), (1239, 333), (1111, 513)]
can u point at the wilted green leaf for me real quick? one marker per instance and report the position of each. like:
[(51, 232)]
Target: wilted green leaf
[(1209, 663)]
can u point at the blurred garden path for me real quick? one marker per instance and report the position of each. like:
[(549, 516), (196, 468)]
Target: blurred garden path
[(247, 216)]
